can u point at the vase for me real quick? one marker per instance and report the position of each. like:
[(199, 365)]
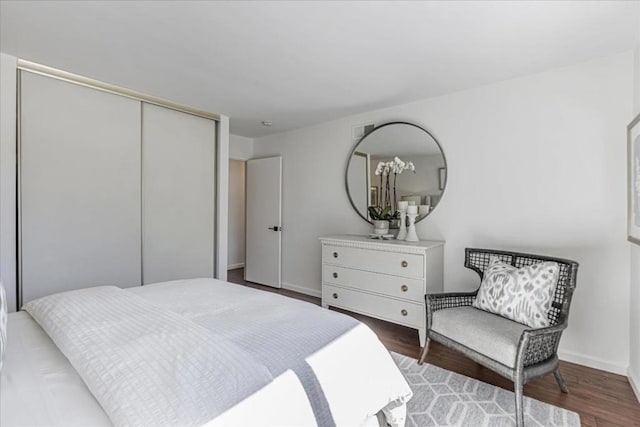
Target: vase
[(394, 223), (380, 226), (412, 235), (402, 233)]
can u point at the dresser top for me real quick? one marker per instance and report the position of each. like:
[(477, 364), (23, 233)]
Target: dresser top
[(391, 242)]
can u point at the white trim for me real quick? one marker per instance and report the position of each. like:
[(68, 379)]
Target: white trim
[(302, 289), (364, 242), (235, 266), (634, 380), (592, 362), (222, 193), (8, 162), (66, 76)]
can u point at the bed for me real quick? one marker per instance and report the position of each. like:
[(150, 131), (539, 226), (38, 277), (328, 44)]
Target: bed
[(194, 352)]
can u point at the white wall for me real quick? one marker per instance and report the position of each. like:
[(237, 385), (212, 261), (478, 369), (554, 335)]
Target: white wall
[(236, 213), (240, 147), (8, 66), (535, 165)]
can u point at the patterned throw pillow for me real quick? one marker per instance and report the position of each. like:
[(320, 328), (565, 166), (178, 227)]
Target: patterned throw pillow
[(521, 294), (3, 323)]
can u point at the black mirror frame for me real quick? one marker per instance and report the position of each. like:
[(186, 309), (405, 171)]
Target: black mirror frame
[(353, 151)]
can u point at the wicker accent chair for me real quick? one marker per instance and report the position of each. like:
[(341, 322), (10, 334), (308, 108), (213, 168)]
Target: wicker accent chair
[(515, 351)]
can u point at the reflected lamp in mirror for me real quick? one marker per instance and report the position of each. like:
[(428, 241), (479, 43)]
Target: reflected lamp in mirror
[(396, 162)]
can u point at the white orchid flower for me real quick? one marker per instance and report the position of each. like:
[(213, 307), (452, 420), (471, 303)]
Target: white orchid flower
[(380, 168), (387, 169)]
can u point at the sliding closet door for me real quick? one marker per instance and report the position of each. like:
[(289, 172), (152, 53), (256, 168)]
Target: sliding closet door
[(79, 187), (178, 207)]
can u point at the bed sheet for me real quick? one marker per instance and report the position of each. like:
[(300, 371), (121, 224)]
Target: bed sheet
[(38, 385)]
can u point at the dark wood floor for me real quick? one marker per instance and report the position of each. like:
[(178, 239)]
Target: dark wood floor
[(601, 398)]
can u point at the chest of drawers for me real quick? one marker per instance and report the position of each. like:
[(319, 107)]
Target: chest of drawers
[(383, 279)]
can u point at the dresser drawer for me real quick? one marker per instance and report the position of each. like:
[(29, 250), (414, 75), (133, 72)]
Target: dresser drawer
[(403, 312), (395, 286), (411, 265)]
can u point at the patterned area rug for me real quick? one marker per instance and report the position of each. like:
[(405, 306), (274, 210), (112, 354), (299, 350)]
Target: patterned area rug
[(445, 398)]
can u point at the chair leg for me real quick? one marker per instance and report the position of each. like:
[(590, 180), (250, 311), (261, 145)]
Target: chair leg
[(561, 384), (518, 388), (423, 356)]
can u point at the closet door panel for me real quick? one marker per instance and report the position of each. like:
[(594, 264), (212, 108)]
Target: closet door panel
[(178, 170), (80, 187)]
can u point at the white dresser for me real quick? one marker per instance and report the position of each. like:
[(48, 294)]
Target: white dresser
[(386, 279)]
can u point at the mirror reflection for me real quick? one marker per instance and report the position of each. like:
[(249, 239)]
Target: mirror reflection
[(396, 162)]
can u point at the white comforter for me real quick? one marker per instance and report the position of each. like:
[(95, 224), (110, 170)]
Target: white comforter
[(190, 352)]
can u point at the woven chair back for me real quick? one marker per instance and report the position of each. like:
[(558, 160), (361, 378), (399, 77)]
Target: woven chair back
[(478, 261)]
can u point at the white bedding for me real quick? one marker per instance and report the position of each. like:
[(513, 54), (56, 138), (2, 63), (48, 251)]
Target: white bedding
[(38, 385), (145, 365), (324, 367)]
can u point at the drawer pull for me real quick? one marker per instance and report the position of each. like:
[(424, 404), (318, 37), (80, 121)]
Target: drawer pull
[(404, 312), (404, 264), (335, 254), (335, 296), (335, 275), (404, 288)]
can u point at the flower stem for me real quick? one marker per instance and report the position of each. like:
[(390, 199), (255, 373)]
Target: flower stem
[(395, 199)]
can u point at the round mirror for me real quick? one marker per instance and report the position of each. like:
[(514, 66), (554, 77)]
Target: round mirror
[(396, 162)]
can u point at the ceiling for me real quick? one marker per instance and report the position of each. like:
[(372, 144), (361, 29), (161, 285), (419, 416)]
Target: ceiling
[(302, 63)]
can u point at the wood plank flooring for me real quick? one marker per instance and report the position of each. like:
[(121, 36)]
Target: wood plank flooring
[(601, 398)]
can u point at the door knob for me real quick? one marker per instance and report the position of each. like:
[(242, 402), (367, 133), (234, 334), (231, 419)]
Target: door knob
[(404, 312), (275, 228), (404, 263), (335, 275), (335, 296), (404, 288)]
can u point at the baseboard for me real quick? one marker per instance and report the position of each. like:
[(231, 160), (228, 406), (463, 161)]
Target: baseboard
[(592, 362), (235, 266), (313, 292), (634, 380)]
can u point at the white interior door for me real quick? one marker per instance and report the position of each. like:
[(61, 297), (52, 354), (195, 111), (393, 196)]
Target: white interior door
[(264, 221)]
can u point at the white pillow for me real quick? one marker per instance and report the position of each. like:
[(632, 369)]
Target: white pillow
[(3, 323), (521, 294)]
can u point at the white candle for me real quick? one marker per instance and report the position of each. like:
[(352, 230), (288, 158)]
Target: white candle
[(412, 209), (402, 206)]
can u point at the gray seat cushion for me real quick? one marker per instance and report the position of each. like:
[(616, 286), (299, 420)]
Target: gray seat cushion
[(489, 334)]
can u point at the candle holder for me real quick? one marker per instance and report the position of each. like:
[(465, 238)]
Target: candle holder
[(402, 233), (412, 235)]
